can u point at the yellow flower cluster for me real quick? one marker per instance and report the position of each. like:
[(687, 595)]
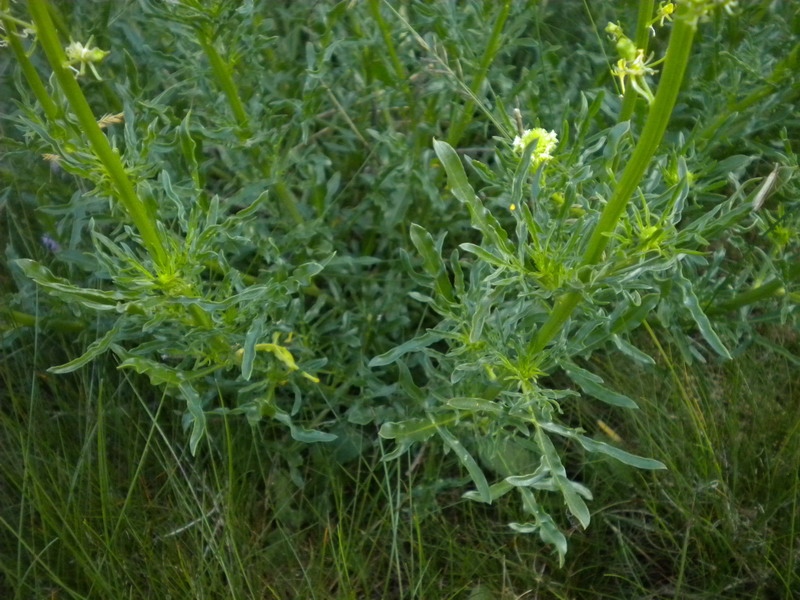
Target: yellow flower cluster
[(546, 142)]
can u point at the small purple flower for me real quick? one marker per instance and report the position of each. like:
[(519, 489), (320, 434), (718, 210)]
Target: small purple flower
[(50, 243)]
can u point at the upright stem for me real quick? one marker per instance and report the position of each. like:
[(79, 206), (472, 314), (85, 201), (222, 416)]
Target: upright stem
[(386, 34), (142, 219), (288, 201), (222, 73), (28, 70), (16, 319), (680, 45)]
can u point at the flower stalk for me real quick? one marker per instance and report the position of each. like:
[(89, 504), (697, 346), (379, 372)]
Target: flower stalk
[(677, 57), (126, 193), (28, 70)]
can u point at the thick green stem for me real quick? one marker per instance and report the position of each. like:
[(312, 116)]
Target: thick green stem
[(751, 296), (680, 45), (222, 73), (126, 193), (642, 41), (465, 118)]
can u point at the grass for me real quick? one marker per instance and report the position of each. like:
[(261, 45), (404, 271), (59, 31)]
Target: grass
[(100, 500)]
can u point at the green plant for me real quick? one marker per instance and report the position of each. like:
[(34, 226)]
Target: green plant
[(583, 271), (238, 231)]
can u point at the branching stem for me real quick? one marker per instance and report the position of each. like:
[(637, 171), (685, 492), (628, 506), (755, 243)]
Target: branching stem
[(126, 193), (677, 57)]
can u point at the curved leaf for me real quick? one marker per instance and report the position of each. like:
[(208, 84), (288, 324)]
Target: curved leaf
[(592, 385)]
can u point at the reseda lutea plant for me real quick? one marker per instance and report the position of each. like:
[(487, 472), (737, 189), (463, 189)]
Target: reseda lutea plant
[(581, 273), (179, 311)]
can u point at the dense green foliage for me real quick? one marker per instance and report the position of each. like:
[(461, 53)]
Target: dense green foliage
[(309, 228)]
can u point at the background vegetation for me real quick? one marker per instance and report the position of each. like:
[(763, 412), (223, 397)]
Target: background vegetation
[(106, 493)]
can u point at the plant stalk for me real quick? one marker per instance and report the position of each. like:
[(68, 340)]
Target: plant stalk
[(399, 71), (756, 294), (15, 318), (680, 45), (28, 70), (126, 193), (288, 202), (222, 73)]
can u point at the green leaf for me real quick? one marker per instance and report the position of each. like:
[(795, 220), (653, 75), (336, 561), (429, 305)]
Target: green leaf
[(157, 373), (550, 458), (419, 342), (632, 317), (496, 490), (482, 219), (591, 445), (485, 255), (58, 286), (254, 333), (629, 349), (625, 457), (165, 183), (250, 210), (456, 176), (466, 459), (306, 271), (691, 302), (301, 434), (407, 432), (190, 150), (95, 349), (432, 260), (522, 172), (475, 405), (412, 430), (549, 532), (529, 480), (591, 384), (195, 416), (407, 384)]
